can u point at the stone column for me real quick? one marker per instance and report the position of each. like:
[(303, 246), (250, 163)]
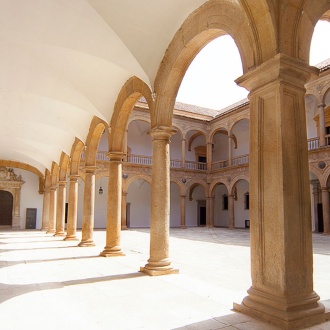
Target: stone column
[(209, 212), (281, 234), (88, 208), (183, 153), (231, 209), (16, 222), (71, 234), (112, 247), (52, 210), (321, 107), (209, 155), (123, 211), (325, 210), (315, 202), (230, 150), (45, 210), (183, 212), (60, 211), (159, 262), (125, 145)]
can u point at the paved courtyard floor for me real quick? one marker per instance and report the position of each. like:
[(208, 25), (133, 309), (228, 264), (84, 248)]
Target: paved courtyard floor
[(48, 283)]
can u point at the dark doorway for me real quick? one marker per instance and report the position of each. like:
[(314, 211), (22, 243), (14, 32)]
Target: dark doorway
[(201, 213), (6, 208), (320, 218)]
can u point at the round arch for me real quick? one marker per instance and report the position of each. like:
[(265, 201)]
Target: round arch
[(211, 20), (63, 166), (129, 94), (27, 167), (214, 185), (93, 138), (235, 180), (131, 178), (75, 155)]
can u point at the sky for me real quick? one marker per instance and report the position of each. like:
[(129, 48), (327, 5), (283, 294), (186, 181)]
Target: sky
[(209, 80)]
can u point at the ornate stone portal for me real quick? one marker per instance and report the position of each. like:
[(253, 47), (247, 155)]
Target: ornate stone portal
[(12, 183)]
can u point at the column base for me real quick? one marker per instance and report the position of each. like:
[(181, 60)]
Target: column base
[(158, 272), (114, 251), (61, 233), (44, 229), (50, 231), (297, 313), (124, 228), (183, 227), (71, 238), (86, 244)]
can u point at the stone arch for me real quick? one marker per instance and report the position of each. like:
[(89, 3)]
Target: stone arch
[(211, 20), (178, 130), (194, 136), (325, 91), (94, 135), (63, 166), (324, 176), (27, 167), (75, 155), (214, 185), (297, 26), (54, 174), (181, 185), (131, 178), (235, 180), (130, 93), (138, 118), (221, 130), (48, 180), (191, 185)]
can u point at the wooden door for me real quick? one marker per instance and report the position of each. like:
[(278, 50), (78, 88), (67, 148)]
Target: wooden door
[(6, 208)]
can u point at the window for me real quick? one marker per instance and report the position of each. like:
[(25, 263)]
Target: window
[(225, 202)]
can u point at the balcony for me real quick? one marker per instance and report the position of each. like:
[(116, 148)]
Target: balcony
[(132, 159)]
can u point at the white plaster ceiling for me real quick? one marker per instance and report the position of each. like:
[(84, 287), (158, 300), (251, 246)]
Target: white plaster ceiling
[(64, 61)]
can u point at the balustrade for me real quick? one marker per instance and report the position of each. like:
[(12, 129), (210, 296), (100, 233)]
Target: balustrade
[(240, 160), (313, 143)]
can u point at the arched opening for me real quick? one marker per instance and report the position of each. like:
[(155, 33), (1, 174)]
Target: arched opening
[(220, 149), (138, 204), (196, 206), (221, 207), (240, 132), (176, 149), (241, 196), (6, 208), (175, 212), (316, 203), (320, 48), (196, 153)]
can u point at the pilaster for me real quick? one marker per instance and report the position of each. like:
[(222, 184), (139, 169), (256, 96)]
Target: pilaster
[(183, 212), (281, 235), (159, 262), (231, 209)]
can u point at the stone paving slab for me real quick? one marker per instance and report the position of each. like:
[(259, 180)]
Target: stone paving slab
[(48, 283)]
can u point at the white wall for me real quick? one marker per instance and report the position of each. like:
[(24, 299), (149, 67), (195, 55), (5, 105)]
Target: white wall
[(175, 205), (242, 132), (30, 197), (175, 147), (198, 141), (138, 196), (220, 216), (191, 206), (220, 149), (240, 213), (138, 138)]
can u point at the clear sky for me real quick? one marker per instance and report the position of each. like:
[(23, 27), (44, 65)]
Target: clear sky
[(209, 81)]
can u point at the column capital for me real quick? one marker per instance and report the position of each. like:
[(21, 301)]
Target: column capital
[(62, 183), (116, 156), (90, 169), (323, 189), (162, 132), (74, 177), (321, 105), (280, 68), (53, 188)]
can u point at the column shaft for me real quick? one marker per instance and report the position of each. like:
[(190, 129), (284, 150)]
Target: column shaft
[(230, 150), (322, 124), (209, 212), (71, 234), (183, 212), (112, 247), (231, 209), (326, 210), (52, 211), (209, 155), (123, 211), (60, 212), (45, 210), (159, 262), (183, 153), (281, 235), (88, 208)]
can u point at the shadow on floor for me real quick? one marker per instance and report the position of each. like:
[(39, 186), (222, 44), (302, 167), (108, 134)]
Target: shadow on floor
[(8, 291)]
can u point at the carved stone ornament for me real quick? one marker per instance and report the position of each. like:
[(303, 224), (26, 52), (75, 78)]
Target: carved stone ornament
[(8, 174)]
